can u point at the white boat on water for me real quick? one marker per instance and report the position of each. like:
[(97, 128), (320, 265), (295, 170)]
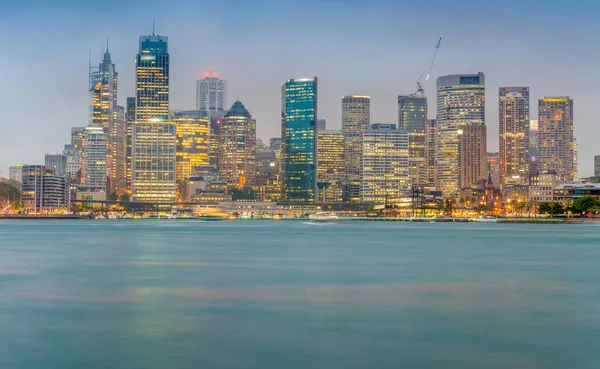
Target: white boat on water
[(486, 220), (323, 217)]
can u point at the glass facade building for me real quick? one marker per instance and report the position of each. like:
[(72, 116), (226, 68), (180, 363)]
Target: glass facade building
[(152, 79), (93, 165), (192, 146), (412, 117), (460, 157), (211, 94), (556, 143), (385, 161), (237, 147), (514, 135), (299, 135)]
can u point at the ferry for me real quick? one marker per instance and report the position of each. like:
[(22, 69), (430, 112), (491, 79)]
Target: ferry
[(323, 217)]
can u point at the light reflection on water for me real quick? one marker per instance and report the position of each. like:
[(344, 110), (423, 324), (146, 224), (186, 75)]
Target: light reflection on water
[(260, 294)]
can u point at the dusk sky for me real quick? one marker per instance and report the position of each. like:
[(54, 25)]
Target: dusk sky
[(376, 47)]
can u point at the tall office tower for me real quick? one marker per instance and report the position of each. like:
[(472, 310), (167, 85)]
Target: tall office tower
[(152, 79), (44, 192), (118, 176), (103, 94), (153, 159), (332, 165), (58, 162), (73, 163), (495, 168), (556, 142), (514, 135), (299, 146), (385, 160), (237, 147), (129, 120), (412, 117), (192, 128), (596, 166), (93, 159), (430, 150), (533, 146), (77, 134), (153, 138), (356, 119), (211, 93), (575, 158), (15, 173), (460, 157)]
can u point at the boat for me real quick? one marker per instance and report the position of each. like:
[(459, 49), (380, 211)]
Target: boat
[(323, 217)]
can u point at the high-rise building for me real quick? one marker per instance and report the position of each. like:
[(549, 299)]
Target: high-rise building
[(495, 168), (116, 155), (73, 163), (385, 157), (93, 164), (321, 125), (43, 191), (129, 120), (77, 134), (596, 166), (431, 149), (514, 135), (356, 119), (152, 79), (332, 165), (211, 93), (153, 137), (153, 176), (556, 151), (533, 146), (58, 163), (412, 117), (299, 146), (192, 129), (237, 145), (15, 173), (461, 150)]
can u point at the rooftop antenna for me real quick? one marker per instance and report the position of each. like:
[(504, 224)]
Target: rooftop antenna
[(107, 44), (153, 26)]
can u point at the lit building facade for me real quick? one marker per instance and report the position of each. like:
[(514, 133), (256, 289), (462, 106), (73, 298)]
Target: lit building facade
[(461, 150), (211, 93), (332, 165), (596, 165), (556, 146), (93, 160), (356, 119), (385, 164), (77, 134), (412, 117), (129, 120), (494, 167), (153, 176), (533, 146), (152, 79), (192, 128), (430, 150), (237, 145), (43, 191), (299, 135), (514, 134)]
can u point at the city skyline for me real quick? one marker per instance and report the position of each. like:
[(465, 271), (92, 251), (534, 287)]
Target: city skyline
[(383, 72)]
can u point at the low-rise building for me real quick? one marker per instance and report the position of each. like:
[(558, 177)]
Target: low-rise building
[(43, 192)]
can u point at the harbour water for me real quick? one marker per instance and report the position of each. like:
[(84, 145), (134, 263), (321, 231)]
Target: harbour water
[(293, 294)]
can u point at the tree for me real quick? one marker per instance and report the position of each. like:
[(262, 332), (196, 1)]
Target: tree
[(551, 208), (534, 206), (9, 194), (113, 197), (584, 204)]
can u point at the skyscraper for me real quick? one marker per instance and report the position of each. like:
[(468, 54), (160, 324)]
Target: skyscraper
[(412, 117), (93, 167), (533, 146), (129, 120), (556, 141), (117, 172), (596, 165), (332, 165), (431, 149), (356, 119), (211, 93), (152, 79), (299, 146), (237, 145), (153, 137), (514, 135), (460, 157), (385, 156), (192, 129)]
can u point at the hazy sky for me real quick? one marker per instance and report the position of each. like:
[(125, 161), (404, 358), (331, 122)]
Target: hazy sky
[(376, 47)]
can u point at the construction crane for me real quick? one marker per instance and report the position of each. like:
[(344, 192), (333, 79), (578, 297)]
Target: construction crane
[(427, 70)]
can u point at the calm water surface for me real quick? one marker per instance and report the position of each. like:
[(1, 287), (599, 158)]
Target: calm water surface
[(291, 294)]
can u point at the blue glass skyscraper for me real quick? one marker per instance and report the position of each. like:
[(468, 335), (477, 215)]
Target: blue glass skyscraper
[(299, 147), (152, 79)]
